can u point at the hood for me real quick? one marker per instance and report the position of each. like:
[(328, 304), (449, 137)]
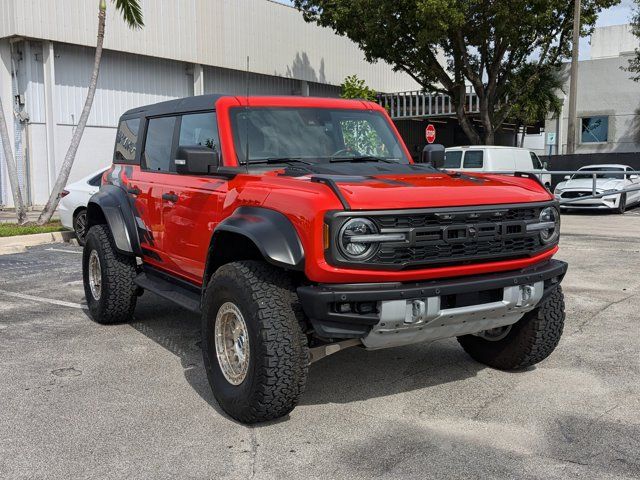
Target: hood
[(587, 183), (384, 186), (436, 190)]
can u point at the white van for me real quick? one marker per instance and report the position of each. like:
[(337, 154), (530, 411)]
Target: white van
[(490, 158)]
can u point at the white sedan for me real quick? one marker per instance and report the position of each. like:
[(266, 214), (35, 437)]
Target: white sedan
[(613, 179), (73, 204)]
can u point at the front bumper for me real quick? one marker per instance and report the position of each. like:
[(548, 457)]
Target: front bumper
[(607, 202), (473, 304)]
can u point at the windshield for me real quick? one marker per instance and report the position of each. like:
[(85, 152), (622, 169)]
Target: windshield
[(608, 172), (313, 134)]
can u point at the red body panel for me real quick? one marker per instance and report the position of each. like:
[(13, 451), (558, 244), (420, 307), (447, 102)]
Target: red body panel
[(181, 231)]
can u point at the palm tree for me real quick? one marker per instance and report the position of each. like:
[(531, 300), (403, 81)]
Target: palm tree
[(12, 169), (132, 14)]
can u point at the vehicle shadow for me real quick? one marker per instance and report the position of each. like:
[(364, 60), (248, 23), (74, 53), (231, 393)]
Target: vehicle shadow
[(345, 377)]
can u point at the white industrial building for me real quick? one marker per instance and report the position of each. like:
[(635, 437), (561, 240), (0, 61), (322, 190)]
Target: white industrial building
[(191, 47), (187, 47)]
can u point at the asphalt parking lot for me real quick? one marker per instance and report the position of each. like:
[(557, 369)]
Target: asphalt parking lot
[(80, 400)]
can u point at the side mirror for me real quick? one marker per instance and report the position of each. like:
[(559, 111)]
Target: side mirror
[(545, 165), (196, 160), (633, 176), (567, 177), (433, 154)]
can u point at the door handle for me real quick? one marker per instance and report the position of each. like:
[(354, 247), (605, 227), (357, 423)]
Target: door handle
[(170, 197), (134, 190)]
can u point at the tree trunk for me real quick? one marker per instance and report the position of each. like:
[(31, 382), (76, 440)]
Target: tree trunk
[(459, 101), (63, 176), (488, 135), (524, 132), (12, 168)]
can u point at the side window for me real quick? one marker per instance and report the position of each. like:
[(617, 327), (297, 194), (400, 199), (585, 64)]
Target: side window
[(96, 181), (537, 164), (126, 140), (473, 159), (157, 147), (452, 159), (199, 129)]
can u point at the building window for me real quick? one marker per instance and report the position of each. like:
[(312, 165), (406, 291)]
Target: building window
[(157, 149), (594, 130), (126, 140), (473, 159)]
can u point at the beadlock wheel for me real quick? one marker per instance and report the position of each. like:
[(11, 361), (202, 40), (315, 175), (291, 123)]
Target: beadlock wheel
[(232, 343), (95, 275)]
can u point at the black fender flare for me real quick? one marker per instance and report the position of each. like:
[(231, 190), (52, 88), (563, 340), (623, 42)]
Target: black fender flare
[(111, 205), (272, 233)]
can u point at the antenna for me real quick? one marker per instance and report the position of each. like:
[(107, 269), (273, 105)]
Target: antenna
[(246, 118)]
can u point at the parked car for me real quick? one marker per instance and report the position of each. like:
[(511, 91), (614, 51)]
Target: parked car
[(73, 204), (612, 179), (297, 227), (485, 158)]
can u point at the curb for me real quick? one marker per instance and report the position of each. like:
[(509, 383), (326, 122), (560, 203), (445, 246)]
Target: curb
[(19, 243)]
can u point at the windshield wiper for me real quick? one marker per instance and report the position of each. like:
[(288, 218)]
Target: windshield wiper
[(361, 158), (277, 160)]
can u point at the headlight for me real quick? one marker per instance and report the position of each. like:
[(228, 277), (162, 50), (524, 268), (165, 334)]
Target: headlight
[(550, 221), (354, 241), (359, 238)]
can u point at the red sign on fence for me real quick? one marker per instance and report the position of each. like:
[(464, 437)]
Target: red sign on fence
[(430, 133)]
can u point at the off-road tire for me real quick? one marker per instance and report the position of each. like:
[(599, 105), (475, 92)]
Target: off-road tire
[(622, 205), (118, 291), (81, 236), (279, 355), (530, 340)]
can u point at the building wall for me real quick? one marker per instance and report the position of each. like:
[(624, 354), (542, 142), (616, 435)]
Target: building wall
[(604, 88), (220, 33), (608, 42)]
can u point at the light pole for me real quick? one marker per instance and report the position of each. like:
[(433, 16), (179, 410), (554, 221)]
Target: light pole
[(573, 89)]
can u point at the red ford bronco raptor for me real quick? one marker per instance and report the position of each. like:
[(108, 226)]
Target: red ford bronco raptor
[(300, 226)]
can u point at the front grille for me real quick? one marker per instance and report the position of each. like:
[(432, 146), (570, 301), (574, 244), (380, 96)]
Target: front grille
[(576, 194), (442, 237)]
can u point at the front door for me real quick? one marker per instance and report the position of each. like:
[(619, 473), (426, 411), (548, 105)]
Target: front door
[(192, 203)]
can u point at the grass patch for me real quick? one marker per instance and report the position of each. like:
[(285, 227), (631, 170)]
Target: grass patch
[(13, 229)]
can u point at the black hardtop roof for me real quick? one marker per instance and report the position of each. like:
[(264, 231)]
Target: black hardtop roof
[(180, 105)]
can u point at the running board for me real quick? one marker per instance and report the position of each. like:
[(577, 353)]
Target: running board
[(173, 290)]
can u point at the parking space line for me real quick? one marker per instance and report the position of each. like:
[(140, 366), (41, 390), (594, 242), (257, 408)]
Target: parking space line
[(44, 300), (61, 250)]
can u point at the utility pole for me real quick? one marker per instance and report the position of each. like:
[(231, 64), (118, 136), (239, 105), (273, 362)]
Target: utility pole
[(573, 89)]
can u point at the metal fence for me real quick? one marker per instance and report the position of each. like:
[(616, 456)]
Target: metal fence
[(594, 191)]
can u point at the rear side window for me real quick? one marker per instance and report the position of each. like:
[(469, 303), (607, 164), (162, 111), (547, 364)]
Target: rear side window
[(96, 181), (199, 129), (126, 140), (537, 165), (157, 147), (473, 159), (452, 159)]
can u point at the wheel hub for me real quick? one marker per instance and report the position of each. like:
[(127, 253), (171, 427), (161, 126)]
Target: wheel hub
[(95, 275), (232, 343)]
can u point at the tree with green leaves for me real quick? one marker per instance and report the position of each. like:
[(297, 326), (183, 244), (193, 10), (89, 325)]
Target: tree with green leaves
[(354, 87), (131, 12), (634, 63), (445, 45), (537, 99)]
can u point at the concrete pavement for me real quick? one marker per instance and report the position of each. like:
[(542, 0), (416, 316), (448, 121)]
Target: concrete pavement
[(80, 400)]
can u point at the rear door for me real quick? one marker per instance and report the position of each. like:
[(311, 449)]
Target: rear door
[(192, 203)]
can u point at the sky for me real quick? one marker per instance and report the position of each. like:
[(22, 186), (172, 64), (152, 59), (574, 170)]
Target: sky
[(612, 16)]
